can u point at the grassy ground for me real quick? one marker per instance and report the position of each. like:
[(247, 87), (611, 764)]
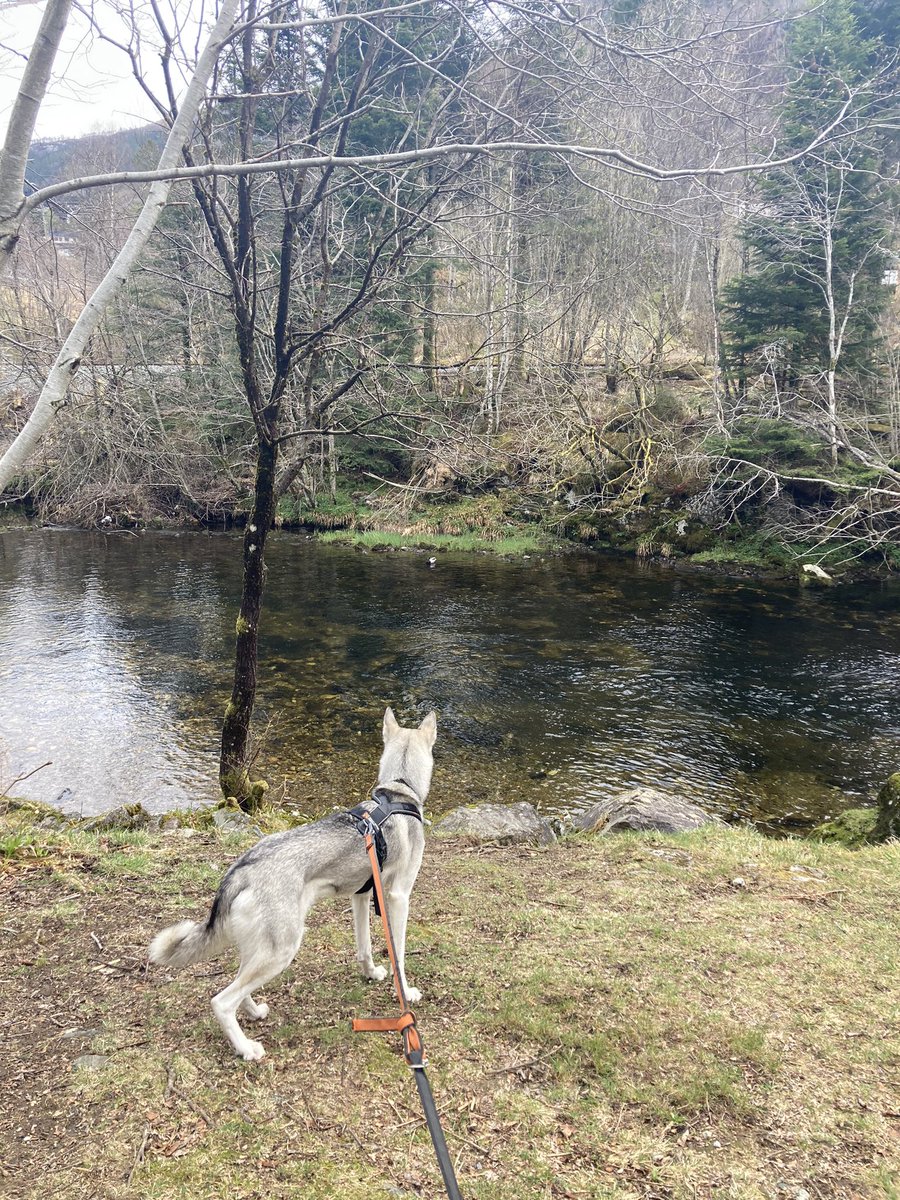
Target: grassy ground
[(706, 1016), (524, 543)]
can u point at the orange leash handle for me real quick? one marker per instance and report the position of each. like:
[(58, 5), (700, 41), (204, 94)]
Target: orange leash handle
[(383, 1024)]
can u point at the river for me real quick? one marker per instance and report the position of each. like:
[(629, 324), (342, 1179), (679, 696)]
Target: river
[(556, 680)]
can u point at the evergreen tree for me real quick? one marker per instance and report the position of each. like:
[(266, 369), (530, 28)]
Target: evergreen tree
[(816, 243)]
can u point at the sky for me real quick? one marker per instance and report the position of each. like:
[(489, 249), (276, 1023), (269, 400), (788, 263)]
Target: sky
[(92, 87)]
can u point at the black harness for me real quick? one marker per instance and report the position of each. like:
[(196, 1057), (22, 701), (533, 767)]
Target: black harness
[(371, 819)]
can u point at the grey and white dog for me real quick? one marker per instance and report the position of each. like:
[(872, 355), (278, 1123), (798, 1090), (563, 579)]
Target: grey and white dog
[(262, 902)]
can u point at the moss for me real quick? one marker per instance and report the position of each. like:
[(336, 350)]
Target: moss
[(888, 822), (852, 828), (242, 625)]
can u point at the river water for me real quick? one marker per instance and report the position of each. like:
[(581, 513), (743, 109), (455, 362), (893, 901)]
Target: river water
[(558, 681)]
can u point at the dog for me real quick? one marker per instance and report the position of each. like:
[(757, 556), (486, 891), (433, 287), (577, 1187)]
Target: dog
[(263, 900)]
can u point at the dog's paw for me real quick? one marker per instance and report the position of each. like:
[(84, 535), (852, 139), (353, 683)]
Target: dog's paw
[(377, 974), (413, 995), (253, 1051), (253, 1011)]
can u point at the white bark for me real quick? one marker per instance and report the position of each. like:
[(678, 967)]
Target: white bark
[(20, 130), (59, 380), (610, 156)]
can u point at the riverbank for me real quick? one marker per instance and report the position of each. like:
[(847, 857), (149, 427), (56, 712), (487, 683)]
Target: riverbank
[(641, 1016), (514, 525)]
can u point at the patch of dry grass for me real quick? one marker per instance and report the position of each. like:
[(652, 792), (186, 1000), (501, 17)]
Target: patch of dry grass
[(707, 1016)]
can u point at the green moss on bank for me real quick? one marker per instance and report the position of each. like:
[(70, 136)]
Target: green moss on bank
[(625, 1017), (526, 543)]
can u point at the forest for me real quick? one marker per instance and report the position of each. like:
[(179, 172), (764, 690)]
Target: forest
[(621, 273)]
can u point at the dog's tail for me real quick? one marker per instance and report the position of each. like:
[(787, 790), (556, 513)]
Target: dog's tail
[(185, 943)]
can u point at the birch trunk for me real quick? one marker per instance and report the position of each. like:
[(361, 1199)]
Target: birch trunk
[(19, 132), (59, 380)]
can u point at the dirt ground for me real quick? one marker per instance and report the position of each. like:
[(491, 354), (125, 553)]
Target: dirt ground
[(712, 1016)]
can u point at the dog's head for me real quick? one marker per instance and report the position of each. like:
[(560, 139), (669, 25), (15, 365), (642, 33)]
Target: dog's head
[(407, 756)]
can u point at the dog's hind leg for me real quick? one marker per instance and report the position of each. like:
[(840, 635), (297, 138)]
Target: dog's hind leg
[(255, 972), (253, 1011), (266, 947), (360, 903)]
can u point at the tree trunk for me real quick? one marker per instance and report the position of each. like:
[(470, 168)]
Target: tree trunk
[(59, 380), (20, 130), (234, 775), (429, 317)]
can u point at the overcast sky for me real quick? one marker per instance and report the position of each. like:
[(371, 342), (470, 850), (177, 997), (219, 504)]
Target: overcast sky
[(92, 87)]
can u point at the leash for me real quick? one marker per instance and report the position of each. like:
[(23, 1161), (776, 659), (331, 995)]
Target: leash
[(405, 1024)]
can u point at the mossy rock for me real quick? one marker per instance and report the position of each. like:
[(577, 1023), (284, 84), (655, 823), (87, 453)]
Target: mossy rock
[(852, 828), (888, 823)]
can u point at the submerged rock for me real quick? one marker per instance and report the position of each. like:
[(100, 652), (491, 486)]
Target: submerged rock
[(852, 828), (888, 823), (643, 809), (506, 824)]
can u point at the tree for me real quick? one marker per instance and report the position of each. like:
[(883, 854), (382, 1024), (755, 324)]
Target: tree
[(68, 360), (322, 163), (817, 238)]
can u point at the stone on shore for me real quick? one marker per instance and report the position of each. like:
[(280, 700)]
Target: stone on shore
[(888, 823), (851, 828), (643, 809), (504, 824), (126, 816)]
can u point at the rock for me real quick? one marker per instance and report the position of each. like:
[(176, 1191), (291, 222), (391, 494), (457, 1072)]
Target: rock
[(44, 816), (86, 1035), (126, 816), (812, 574), (852, 828), (888, 823), (90, 1062), (232, 820), (506, 824), (643, 809)]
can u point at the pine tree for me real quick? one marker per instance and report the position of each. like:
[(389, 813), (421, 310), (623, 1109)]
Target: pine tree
[(817, 239)]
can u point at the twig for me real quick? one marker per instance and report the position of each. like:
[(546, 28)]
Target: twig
[(198, 1108), (531, 1062), (21, 778), (139, 1155)]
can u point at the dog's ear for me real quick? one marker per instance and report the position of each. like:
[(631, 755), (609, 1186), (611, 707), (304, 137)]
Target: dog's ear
[(390, 725), (429, 727)]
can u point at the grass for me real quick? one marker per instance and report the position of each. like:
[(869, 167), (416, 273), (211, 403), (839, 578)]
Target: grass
[(524, 543), (711, 1015)]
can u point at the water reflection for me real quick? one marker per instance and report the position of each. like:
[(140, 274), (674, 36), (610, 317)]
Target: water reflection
[(556, 681)]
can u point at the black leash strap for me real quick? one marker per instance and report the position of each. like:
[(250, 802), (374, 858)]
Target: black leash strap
[(405, 1024)]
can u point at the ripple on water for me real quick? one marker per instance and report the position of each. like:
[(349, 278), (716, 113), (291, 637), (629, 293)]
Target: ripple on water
[(558, 682)]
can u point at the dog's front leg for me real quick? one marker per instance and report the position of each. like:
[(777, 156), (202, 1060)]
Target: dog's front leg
[(398, 914), (361, 904)]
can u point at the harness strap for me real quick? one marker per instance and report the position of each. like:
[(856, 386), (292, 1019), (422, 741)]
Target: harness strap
[(369, 822)]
